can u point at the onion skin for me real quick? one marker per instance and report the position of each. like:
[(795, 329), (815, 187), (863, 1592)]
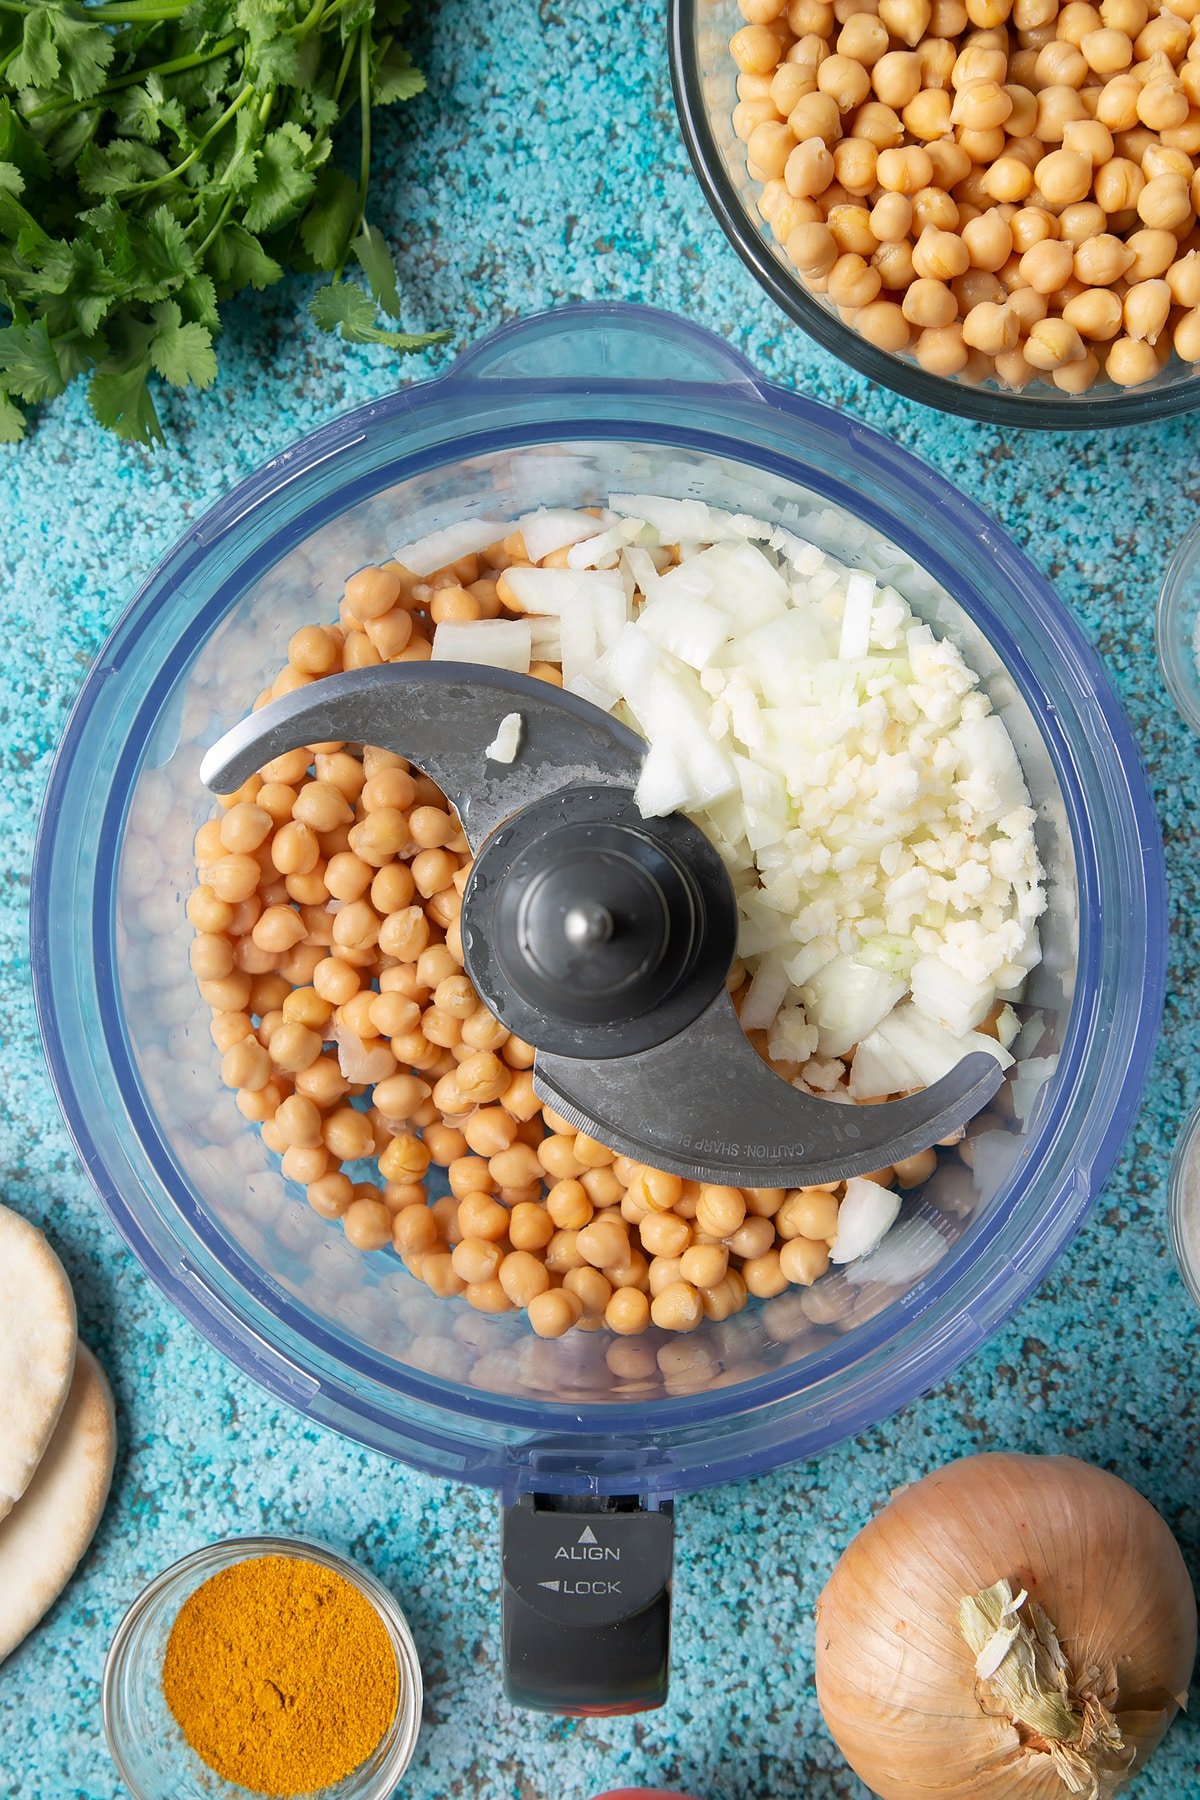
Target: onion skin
[(895, 1678)]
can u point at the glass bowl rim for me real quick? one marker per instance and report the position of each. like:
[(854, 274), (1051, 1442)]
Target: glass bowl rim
[(1186, 1144), (1181, 674), (1123, 407), (227, 1553)]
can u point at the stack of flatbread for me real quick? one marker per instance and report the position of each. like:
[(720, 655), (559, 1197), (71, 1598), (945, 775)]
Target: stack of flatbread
[(57, 1432)]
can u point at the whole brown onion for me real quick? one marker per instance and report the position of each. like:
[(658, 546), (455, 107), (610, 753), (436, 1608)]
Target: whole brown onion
[(937, 1678)]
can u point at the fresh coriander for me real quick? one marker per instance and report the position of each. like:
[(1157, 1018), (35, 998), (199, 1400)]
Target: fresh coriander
[(155, 158)]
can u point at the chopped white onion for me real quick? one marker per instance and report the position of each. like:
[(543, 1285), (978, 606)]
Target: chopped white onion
[(552, 528), (495, 643), (428, 554), (507, 741), (865, 1215)]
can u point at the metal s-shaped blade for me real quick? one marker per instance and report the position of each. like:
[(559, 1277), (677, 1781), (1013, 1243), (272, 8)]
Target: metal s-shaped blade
[(704, 1105), (442, 716)]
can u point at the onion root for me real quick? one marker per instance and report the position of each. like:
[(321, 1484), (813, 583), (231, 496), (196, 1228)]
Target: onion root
[(1022, 1674)]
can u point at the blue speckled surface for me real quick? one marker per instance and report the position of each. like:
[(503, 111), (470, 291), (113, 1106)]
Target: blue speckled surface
[(545, 165)]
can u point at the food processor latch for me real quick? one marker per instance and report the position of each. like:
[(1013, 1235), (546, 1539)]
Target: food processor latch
[(586, 1606)]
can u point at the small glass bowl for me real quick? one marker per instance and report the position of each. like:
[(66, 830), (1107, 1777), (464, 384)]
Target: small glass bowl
[(1185, 1232), (153, 1757), (1175, 628)]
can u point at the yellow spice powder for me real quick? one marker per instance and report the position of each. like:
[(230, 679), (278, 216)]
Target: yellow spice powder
[(281, 1675)]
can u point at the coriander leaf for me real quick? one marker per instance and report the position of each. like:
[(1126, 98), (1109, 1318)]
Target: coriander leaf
[(81, 286), (121, 400), (28, 364), (326, 226), (64, 142), (238, 260), (272, 53), (283, 182), (197, 298), (394, 78), (182, 354), (375, 260), (11, 179), (85, 51), (12, 420), (343, 305), (18, 145), (120, 166), (36, 64)]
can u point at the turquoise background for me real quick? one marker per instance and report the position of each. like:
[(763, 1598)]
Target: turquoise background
[(545, 165)]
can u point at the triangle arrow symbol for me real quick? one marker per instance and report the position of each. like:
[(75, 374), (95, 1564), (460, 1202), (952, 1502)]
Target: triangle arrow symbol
[(587, 1536), (552, 1585)]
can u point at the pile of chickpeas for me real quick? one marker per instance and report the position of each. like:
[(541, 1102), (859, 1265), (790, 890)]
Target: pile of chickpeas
[(1007, 189), (328, 947)]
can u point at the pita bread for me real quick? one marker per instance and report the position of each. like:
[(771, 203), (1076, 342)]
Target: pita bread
[(47, 1532), (37, 1350)]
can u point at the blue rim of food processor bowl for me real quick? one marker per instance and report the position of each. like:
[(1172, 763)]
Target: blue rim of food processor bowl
[(721, 408)]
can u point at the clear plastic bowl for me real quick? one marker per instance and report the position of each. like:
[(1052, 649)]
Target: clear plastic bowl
[(1177, 628), (152, 1756), (704, 77), (563, 410)]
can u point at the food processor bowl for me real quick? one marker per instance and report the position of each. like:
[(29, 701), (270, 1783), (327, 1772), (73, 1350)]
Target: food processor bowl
[(562, 410), (704, 77)]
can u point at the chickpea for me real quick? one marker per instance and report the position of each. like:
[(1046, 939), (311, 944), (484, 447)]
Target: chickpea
[(812, 249), (814, 115), (678, 1306), (719, 1210), (1186, 338), (1078, 377), (853, 282), (801, 1261), (763, 1276), (665, 1234), (1102, 260), (1046, 266), (864, 39), (553, 1313), (1163, 204), (928, 302), (933, 206), (704, 1265), (991, 328), (941, 350), (854, 165), (894, 264), (1064, 176), (1162, 104), (927, 115), (1008, 180), (530, 1226), (940, 255), (367, 1224), (770, 144), (1131, 361), (891, 218), (897, 78), (989, 240), (1183, 280), (1095, 314), (879, 125), (809, 169), (755, 50), (1052, 343), (1167, 35), (789, 83), (846, 81), (882, 323), (627, 1312)]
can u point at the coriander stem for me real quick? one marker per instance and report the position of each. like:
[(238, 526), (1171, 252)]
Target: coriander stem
[(364, 101), (217, 225), (144, 187), (175, 67)]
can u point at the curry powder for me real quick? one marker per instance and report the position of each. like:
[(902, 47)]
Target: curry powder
[(281, 1675)]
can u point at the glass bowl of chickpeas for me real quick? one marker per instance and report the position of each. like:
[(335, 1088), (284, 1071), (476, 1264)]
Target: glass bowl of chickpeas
[(987, 205), (326, 1151)]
